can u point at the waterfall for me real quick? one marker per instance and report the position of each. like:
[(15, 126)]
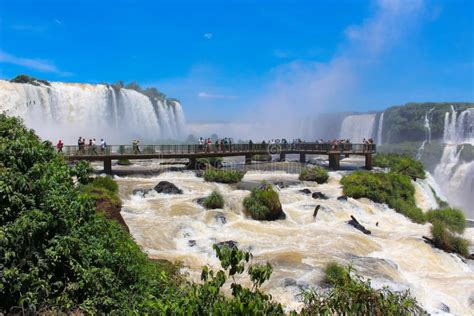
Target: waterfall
[(455, 176), (357, 127), (427, 126), (69, 110), (380, 130)]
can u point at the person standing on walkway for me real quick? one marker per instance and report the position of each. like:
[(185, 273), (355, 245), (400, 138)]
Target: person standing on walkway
[(94, 146), (59, 146), (103, 145)]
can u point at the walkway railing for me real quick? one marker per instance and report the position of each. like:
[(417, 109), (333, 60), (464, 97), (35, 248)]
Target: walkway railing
[(204, 149)]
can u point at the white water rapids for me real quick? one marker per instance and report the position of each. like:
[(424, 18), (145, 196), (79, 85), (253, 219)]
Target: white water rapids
[(69, 110), (299, 247)]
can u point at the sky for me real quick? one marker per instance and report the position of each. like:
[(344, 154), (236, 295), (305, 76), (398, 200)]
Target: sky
[(244, 60)]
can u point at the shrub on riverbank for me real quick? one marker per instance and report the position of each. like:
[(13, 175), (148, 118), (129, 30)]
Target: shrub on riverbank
[(318, 174), (447, 241), (453, 219), (401, 164), (223, 176), (394, 189), (214, 200), (123, 162), (352, 295), (263, 203)]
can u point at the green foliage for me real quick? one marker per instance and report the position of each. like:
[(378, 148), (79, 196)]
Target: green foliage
[(335, 274), (400, 163), (263, 203), (82, 171), (452, 218), (30, 80), (223, 176), (262, 158), (318, 174), (214, 200), (352, 295), (394, 189), (447, 241), (123, 162)]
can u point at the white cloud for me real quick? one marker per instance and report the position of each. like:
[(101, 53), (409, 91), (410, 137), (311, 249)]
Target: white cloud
[(208, 36), (215, 96), (35, 64)]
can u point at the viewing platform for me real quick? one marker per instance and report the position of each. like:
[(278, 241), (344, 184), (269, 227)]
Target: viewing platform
[(194, 152)]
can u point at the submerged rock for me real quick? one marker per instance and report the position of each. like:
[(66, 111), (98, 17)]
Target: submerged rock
[(168, 188), (288, 282), (353, 222), (227, 243), (319, 195), (200, 201), (342, 198), (220, 218), (445, 308), (191, 243), (305, 191), (141, 192)]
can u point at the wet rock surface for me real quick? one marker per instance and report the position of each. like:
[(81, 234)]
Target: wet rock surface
[(353, 222), (319, 195), (167, 188)]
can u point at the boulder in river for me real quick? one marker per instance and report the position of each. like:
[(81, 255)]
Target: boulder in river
[(342, 198), (305, 191), (191, 243), (228, 244), (220, 218), (319, 195), (288, 282), (168, 188), (357, 225), (141, 192)]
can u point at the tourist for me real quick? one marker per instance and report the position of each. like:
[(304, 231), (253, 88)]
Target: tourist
[(201, 144), (59, 146), (94, 146), (103, 145)]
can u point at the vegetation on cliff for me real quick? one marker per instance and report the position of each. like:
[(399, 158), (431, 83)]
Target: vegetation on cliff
[(263, 203), (30, 80), (403, 164), (350, 294), (318, 174), (223, 176)]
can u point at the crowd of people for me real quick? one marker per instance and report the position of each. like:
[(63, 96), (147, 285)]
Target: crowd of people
[(220, 144), (84, 146)]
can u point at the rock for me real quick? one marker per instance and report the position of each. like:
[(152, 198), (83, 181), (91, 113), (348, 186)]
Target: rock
[(227, 243), (111, 209), (141, 192), (288, 282), (200, 201), (445, 308), (168, 188), (316, 210), (220, 218), (305, 191), (342, 198), (357, 225), (191, 243), (282, 215), (319, 195)]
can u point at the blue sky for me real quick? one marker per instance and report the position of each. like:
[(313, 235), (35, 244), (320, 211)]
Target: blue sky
[(231, 59)]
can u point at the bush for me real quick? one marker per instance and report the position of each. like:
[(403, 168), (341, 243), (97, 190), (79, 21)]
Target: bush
[(262, 157), (123, 162), (82, 171), (263, 203), (214, 200), (400, 163), (355, 296), (447, 241), (106, 182), (318, 174), (394, 189), (223, 176), (453, 219)]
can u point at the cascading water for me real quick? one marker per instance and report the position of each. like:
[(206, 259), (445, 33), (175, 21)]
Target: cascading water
[(357, 127), (428, 134), (69, 110), (455, 176), (380, 130)]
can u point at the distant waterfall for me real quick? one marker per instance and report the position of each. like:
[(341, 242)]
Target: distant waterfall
[(455, 176), (380, 130), (69, 110), (427, 132), (357, 127)]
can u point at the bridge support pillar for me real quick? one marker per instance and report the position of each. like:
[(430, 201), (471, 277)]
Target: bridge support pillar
[(282, 156), (248, 159), (368, 161), (334, 160), (303, 158), (108, 166), (192, 164)]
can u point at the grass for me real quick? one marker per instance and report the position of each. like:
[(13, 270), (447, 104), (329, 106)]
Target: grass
[(394, 189), (352, 295), (223, 176), (263, 203), (447, 241), (452, 218), (214, 200), (318, 174), (403, 164), (123, 162)]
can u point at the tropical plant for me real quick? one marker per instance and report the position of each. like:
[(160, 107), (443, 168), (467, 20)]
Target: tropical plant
[(318, 174), (223, 176), (214, 200), (263, 203)]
